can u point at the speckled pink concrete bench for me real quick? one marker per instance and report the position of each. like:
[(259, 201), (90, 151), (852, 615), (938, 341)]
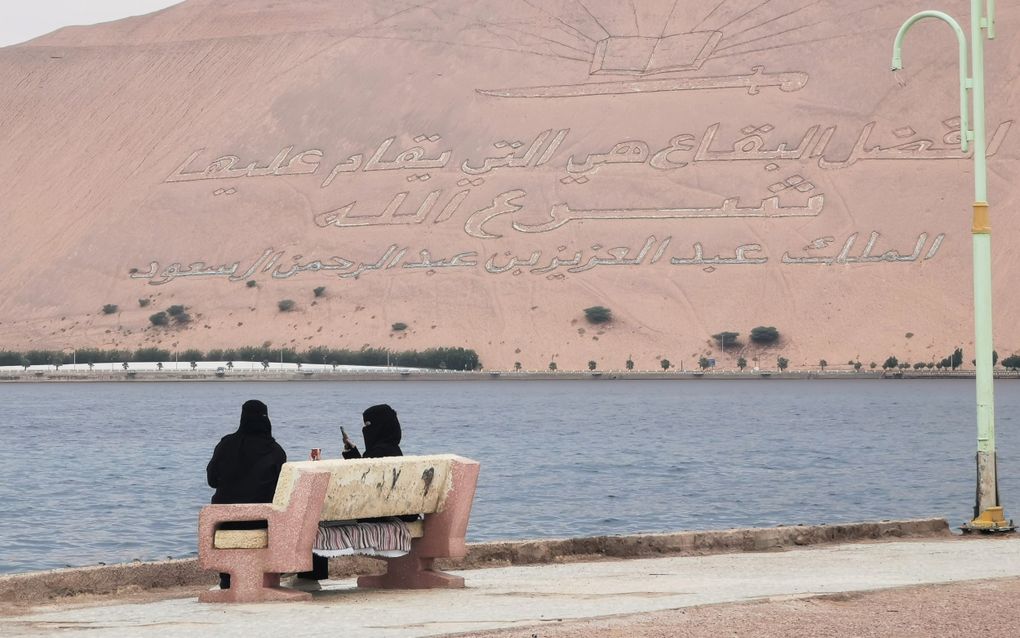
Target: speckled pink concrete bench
[(441, 487)]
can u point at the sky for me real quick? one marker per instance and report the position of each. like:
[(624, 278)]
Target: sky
[(22, 20)]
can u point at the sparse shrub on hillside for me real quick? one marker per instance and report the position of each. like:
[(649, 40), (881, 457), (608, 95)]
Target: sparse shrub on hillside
[(764, 334), (665, 364), (782, 363), (857, 366), (517, 366), (629, 363), (144, 302), (285, 305), (175, 310), (909, 335), (159, 319), (592, 365), (726, 339), (552, 366), (598, 314), (822, 363), (400, 326), (183, 318), (320, 291), (251, 283), (109, 309)]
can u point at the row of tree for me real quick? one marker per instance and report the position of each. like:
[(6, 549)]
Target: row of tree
[(441, 358)]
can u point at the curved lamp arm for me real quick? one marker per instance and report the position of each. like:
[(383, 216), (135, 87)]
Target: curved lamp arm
[(897, 64)]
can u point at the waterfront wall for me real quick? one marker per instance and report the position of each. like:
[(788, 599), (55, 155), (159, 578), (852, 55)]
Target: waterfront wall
[(38, 587)]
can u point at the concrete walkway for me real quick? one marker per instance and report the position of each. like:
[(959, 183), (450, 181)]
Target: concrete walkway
[(533, 595)]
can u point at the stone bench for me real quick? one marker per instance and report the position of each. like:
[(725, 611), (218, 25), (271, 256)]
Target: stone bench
[(441, 487)]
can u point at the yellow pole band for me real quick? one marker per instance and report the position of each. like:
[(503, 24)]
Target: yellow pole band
[(982, 220)]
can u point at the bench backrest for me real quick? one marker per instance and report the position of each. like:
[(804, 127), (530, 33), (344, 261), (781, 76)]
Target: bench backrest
[(365, 488)]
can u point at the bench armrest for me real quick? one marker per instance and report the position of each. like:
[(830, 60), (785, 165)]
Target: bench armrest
[(212, 515)]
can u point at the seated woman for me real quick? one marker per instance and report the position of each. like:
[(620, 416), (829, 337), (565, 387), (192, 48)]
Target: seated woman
[(382, 438), (246, 465), (381, 432)]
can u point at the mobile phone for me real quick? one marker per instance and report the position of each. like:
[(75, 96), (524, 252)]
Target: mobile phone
[(343, 432)]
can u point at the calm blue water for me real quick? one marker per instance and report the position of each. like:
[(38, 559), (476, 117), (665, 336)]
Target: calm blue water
[(113, 472)]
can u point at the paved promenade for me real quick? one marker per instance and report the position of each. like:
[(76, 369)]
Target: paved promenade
[(542, 598)]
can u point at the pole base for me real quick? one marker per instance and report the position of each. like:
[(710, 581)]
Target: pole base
[(990, 521)]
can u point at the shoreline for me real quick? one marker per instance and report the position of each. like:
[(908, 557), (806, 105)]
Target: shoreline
[(396, 374), (29, 588)]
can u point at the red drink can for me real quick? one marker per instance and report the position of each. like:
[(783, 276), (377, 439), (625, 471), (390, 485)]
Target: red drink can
[(316, 454)]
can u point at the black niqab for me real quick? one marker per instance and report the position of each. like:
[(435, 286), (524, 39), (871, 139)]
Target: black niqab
[(246, 464)]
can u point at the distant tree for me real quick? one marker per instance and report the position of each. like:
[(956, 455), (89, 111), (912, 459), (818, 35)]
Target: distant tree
[(144, 302), (995, 357), (25, 363), (598, 314), (517, 366), (764, 334), (109, 309), (285, 305), (782, 363), (726, 339), (552, 366), (919, 366), (191, 354), (193, 364), (91, 365), (741, 363), (398, 327), (956, 360), (1012, 362), (320, 291), (704, 363), (872, 365), (665, 364), (251, 283), (890, 363), (159, 319), (930, 365), (822, 363), (230, 365), (175, 310), (124, 365), (904, 365), (592, 365), (265, 365), (159, 365), (857, 366), (182, 318), (629, 364)]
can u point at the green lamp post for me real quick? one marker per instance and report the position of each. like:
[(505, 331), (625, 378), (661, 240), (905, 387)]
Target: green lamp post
[(988, 513)]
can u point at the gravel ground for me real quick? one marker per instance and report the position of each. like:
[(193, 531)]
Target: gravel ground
[(976, 608)]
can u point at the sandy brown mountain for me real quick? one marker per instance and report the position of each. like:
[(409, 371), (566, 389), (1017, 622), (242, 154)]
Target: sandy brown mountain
[(484, 171)]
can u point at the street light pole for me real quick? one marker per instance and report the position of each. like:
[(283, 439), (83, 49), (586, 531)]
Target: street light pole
[(988, 512)]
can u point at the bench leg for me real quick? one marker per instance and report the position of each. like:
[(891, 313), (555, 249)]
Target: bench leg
[(411, 572), (248, 584)]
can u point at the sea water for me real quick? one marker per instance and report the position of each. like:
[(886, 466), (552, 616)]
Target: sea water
[(111, 472)]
